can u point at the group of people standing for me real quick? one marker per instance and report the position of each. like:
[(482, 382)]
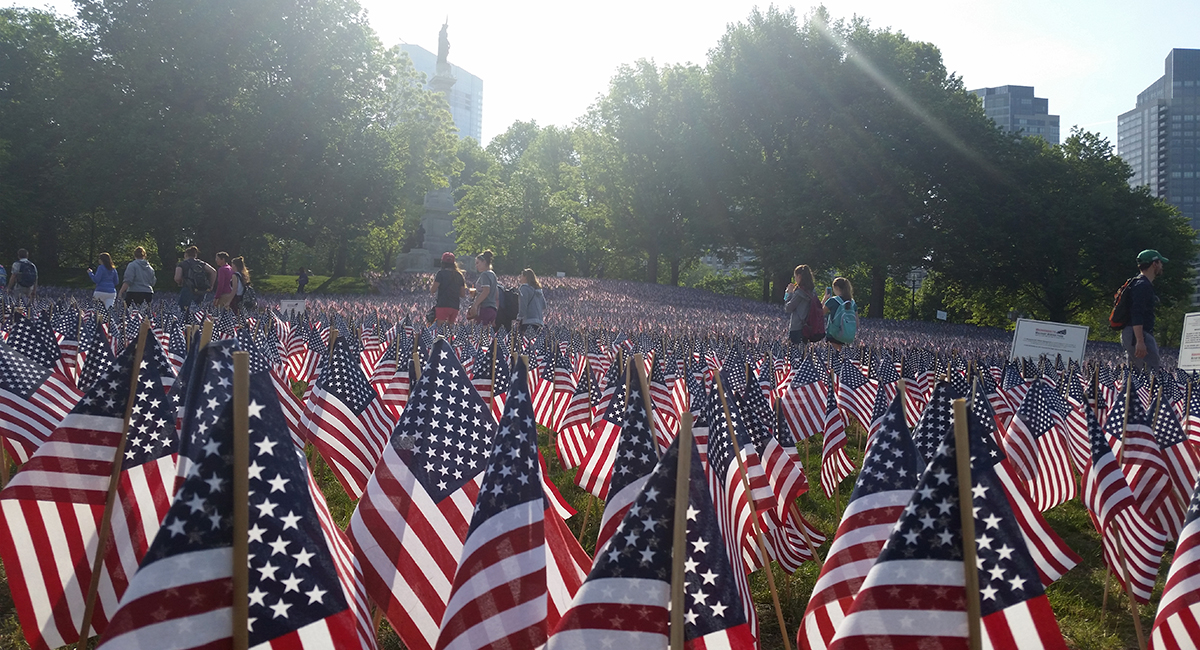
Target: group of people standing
[(450, 287), (833, 318), (228, 281)]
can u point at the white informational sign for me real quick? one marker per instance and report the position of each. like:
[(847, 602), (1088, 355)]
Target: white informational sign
[(941, 315), (1033, 338), (1189, 343), (297, 306), (562, 274)]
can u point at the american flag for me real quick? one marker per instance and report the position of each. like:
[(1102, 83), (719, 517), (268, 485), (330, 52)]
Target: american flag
[(1193, 417), (34, 399), (576, 428), (855, 393), (1143, 464), (498, 598), (34, 339), (304, 592), (636, 455), (914, 389), (97, 356), (666, 415), (1183, 467), (345, 419), (914, 595), (67, 331), (626, 599), (52, 508), (1114, 512), (1177, 624), (891, 469), (725, 482), (783, 468), (392, 377), (803, 401), (564, 386), (1038, 450), (409, 527), (835, 464), (596, 470)]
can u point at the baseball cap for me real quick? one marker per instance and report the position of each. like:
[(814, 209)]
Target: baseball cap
[(1149, 255), (448, 257)]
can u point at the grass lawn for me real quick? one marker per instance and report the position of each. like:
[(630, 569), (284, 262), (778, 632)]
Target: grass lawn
[(316, 284)]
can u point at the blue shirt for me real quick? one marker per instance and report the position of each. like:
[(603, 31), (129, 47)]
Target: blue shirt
[(1142, 301), (105, 279)]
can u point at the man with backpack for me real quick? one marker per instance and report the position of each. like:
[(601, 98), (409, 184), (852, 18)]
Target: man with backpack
[(24, 277), (194, 276), (1137, 333)]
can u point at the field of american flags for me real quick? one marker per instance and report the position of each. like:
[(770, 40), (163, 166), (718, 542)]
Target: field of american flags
[(1075, 598)]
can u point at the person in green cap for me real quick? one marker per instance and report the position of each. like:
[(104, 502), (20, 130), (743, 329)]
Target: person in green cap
[(1138, 336)]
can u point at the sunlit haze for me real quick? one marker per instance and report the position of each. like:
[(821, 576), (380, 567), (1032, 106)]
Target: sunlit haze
[(548, 61)]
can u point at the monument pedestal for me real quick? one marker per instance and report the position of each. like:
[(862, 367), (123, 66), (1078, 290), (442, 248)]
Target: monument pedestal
[(439, 233)]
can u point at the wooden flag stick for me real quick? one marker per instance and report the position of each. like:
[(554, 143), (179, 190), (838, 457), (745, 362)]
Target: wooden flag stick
[(492, 381), (1125, 419), (114, 480), (804, 531), (966, 509), (587, 514), (206, 332), (1133, 607), (647, 403), (241, 500), (683, 475), (758, 534)]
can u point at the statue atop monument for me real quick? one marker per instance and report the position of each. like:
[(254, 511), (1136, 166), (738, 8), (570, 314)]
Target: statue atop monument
[(443, 62)]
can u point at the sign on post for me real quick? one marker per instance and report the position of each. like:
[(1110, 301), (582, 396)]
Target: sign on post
[(296, 306), (1189, 343), (1033, 338)]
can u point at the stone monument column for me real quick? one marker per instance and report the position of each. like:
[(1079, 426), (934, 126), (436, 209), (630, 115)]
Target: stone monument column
[(439, 203)]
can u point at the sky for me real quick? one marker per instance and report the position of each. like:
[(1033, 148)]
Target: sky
[(549, 61)]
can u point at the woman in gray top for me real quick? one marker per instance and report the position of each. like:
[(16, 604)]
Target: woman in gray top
[(486, 291), (138, 287), (798, 300), (532, 304)]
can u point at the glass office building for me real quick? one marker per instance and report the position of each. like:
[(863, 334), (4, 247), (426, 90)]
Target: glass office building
[(465, 96), (1014, 108)]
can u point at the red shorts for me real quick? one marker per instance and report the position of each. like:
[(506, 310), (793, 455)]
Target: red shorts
[(445, 314)]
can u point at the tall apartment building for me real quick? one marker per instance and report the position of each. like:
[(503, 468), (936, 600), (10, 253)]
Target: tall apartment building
[(1159, 137), (1014, 108), (465, 97)]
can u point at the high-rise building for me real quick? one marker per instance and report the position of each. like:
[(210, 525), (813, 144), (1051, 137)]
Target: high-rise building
[(1159, 137), (465, 96), (1014, 108)]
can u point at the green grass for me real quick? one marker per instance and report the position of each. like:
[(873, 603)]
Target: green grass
[(316, 284), (1076, 598)]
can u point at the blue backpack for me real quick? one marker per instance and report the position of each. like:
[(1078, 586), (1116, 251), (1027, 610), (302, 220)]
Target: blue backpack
[(841, 324)]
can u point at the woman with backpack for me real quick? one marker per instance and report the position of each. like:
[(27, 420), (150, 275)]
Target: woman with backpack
[(241, 284), (841, 319), (800, 300), (105, 277), (450, 287), (138, 288), (223, 288), (485, 303), (532, 305)]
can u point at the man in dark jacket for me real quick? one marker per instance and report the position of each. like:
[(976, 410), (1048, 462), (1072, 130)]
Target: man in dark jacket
[(1138, 336)]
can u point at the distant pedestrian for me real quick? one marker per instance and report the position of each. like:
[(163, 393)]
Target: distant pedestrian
[(484, 306), (105, 277), (24, 278), (194, 276), (532, 305), (841, 317), (800, 300), (241, 281), (450, 287), (1138, 336), (138, 287), (223, 288), (302, 280)]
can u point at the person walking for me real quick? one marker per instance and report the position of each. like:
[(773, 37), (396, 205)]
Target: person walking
[(138, 288), (223, 288), (485, 303), (799, 300), (450, 287), (302, 281), (24, 278), (1138, 336), (841, 318), (531, 307), (194, 276), (105, 278), (241, 280)]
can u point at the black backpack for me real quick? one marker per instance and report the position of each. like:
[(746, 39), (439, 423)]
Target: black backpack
[(508, 304), (195, 276), (26, 273), (1119, 317)]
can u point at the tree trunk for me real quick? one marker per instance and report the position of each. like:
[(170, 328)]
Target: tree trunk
[(781, 282), (652, 263), (878, 289), (283, 263), (48, 244), (168, 253), (766, 286), (674, 272), (339, 262)]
